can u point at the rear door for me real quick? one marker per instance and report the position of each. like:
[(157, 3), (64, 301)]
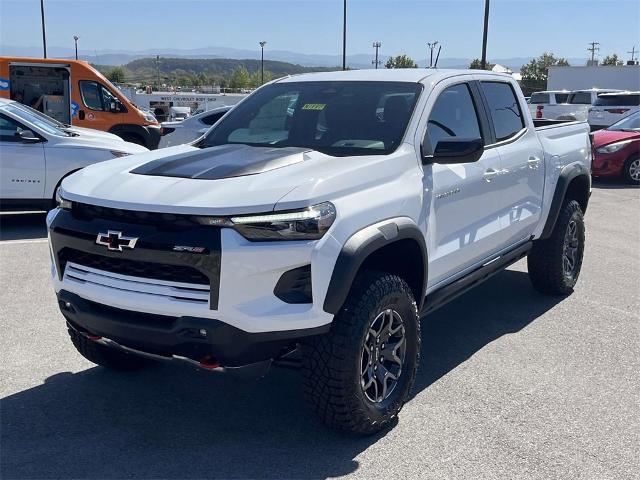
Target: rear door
[(521, 179), (22, 165), (463, 220)]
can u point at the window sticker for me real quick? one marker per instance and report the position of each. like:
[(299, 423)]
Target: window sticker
[(314, 106)]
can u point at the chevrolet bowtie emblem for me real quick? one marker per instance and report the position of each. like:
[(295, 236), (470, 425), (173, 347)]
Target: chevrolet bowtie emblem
[(115, 240)]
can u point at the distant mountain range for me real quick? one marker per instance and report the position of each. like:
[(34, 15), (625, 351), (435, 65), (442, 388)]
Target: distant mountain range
[(360, 60)]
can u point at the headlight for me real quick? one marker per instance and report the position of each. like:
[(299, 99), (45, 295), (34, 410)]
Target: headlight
[(118, 153), (62, 202), (149, 117), (613, 147), (308, 224)]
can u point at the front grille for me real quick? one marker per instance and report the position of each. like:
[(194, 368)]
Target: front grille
[(134, 268), (84, 211)]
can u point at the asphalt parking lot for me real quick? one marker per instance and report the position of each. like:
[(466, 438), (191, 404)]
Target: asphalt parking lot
[(512, 384)]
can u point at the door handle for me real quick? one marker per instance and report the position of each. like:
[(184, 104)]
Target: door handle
[(533, 162), (490, 174)]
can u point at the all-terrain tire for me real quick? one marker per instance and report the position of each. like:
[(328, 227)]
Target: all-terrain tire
[(332, 364), (105, 356), (554, 263), (631, 170)]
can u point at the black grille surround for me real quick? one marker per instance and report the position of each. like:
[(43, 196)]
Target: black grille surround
[(73, 239)]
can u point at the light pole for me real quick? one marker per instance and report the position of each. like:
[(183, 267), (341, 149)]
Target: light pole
[(44, 34), (431, 46), (483, 60), (344, 36), (262, 44), (376, 45), (75, 39)]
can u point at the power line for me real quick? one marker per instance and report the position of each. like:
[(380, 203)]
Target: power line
[(633, 55), (593, 49), (376, 62)]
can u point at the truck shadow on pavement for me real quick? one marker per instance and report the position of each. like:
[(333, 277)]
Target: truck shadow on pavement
[(171, 422)]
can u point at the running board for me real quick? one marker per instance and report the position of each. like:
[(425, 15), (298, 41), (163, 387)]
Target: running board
[(447, 293)]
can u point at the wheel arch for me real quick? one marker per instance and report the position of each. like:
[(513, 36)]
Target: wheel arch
[(139, 131), (573, 183), (395, 246)]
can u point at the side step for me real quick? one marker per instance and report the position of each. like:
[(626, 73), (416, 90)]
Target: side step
[(447, 293)]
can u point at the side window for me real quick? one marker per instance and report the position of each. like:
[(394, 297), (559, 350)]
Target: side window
[(8, 129), (505, 110), (453, 115), (212, 119), (91, 97)]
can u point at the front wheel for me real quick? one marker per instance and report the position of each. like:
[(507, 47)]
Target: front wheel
[(358, 376), (554, 263), (631, 171)]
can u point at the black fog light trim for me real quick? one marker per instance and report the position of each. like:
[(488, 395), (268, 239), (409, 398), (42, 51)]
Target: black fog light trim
[(294, 286)]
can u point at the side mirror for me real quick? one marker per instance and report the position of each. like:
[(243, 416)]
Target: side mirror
[(113, 107), (456, 150), (27, 136)]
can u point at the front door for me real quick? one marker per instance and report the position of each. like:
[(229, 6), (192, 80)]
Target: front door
[(463, 222), (100, 109), (22, 164)]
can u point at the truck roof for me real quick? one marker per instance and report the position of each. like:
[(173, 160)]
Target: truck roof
[(385, 75)]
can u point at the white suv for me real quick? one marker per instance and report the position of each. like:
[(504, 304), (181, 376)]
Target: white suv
[(611, 107)]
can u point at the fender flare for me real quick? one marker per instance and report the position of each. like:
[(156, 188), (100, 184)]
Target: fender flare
[(567, 175), (360, 246)]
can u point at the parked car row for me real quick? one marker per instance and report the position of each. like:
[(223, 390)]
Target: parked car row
[(600, 107)]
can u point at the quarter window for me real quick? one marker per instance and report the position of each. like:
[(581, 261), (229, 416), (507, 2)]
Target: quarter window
[(453, 115), (505, 110)]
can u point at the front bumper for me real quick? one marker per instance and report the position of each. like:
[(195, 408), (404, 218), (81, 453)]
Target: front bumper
[(163, 287), (201, 340), (608, 165), (153, 136)]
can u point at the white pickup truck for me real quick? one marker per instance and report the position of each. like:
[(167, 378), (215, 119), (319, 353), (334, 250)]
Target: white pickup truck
[(564, 105), (322, 215)]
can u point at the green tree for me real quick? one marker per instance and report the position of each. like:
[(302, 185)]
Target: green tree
[(535, 73), (116, 75), (476, 64), (611, 60), (401, 61), (240, 78), (256, 78)]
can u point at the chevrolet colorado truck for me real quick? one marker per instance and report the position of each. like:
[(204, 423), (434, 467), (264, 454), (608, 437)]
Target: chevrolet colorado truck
[(320, 218)]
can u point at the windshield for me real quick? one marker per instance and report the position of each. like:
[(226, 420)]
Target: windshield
[(336, 118), (627, 124), (28, 114)]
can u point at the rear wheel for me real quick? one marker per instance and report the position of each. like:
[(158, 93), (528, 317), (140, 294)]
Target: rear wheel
[(554, 263), (105, 356), (631, 171), (358, 376)]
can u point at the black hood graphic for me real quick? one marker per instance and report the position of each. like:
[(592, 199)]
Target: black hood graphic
[(224, 161)]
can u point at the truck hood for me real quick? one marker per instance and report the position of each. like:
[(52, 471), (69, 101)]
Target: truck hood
[(99, 140), (92, 133), (225, 180)]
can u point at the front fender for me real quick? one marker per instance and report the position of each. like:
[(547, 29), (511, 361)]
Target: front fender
[(361, 245)]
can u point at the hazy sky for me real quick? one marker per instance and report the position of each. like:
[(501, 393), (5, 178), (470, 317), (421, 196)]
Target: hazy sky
[(517, 28)]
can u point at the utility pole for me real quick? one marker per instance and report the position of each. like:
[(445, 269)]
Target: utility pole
[(344, 36), (44, 34), (483, 60), (431, 47), (158, 70), (262, 44), (376, 62), (75, 39), (593, 49), (633, 55)]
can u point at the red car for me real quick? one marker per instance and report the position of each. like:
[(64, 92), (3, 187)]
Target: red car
[(616, 150)]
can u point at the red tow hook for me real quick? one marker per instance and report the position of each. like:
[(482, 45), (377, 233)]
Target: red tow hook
[(209, 363), (94, 338)]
